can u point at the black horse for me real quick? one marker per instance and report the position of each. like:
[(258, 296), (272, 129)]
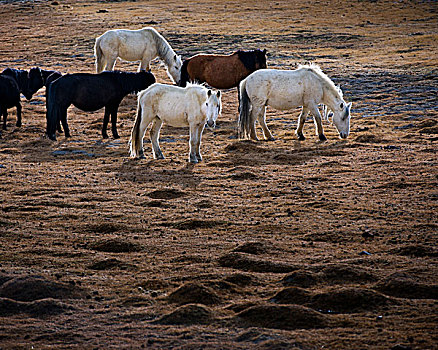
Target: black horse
[(12, 82), (90, 92), (40, 77)]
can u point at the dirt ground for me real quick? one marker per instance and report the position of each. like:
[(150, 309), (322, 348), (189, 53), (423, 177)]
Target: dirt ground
[(263, 245)]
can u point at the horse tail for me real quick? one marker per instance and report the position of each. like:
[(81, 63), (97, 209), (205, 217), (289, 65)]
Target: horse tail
[(185, 77), (53, 112), (99, 56), (244, 111), (134, 142)]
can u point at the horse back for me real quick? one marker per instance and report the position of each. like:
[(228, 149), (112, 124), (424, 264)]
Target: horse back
[(10, 92), (218, 71)]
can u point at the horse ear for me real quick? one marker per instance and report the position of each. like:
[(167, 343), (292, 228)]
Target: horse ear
[(209, 93), (175, 58), (264, 51)]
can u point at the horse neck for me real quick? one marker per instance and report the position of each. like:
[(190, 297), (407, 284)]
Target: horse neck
[(164, 50), (330, 97)]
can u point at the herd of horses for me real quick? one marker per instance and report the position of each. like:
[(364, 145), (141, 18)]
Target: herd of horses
[(185, 104)]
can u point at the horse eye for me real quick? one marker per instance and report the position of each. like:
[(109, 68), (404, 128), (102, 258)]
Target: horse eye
[(206, 104), (342, 106)]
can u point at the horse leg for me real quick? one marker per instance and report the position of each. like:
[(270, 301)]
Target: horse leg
[(18, 114), (199, 130), (63, 118), (318, 121), (154, 134), (114, 121), (144, 65), (105, 123), (252, 124), (262, 120), (4, 112), (192, 143), (110, 63), (146, 119), (301, 120)]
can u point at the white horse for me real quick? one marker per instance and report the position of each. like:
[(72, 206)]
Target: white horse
[(306, 86), (133, 45), (192, 106)]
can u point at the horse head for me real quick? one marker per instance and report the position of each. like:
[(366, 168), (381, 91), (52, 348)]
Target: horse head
[(35, 79), (260, 59), (341, 118), (213, 105), (174, 69)]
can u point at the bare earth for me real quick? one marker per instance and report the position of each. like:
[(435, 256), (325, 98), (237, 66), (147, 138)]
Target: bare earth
[(267, 245)]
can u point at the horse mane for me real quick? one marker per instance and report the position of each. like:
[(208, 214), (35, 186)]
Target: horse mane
[(323, 77), (165, 51), (130, 82), (185, 77), (249, 58), (19, 75)]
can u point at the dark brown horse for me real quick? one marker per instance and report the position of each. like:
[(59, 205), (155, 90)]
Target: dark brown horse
[(222, 71)]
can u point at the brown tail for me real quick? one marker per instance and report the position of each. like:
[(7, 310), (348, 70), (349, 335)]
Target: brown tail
[(99, 56), (134, 142)]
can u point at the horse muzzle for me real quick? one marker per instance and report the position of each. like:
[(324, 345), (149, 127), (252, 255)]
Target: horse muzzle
[(343, 135), (211, 123)]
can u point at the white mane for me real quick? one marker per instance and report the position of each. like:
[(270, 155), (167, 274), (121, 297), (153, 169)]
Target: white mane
[(165, 51), (323, 77)]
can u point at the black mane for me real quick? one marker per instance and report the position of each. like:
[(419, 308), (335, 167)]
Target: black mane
[(251, 58), (185, 78)]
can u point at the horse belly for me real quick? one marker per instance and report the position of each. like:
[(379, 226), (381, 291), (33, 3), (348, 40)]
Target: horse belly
[(284, 101)]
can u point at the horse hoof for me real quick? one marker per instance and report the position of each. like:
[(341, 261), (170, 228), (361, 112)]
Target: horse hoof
[(141, 156), (116, 137), (270, 139), (18, 125), (52, 137), (322, 137), (301, 136)]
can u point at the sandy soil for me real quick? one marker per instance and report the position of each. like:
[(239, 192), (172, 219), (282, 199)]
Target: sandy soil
[(267, 245)]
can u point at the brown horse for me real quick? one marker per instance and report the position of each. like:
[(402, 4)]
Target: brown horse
[(222, 71)]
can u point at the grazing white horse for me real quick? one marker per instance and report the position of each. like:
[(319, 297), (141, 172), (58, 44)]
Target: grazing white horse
[(142, 45), (192, 106), (306, 86)]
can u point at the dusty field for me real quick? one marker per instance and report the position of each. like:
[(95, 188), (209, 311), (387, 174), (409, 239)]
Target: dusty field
[(268, 245)]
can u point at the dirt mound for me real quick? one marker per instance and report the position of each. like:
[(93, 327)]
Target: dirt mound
[(282, 317), (244, 147), (240, 279), (333, 274), (169, 193), (188, 315), (4, 278), (292, 295), (368, 138), (301, 278), (252, 248), (431, 130), (345, 273), (104, 228), (37, 308), (108, 264), (427, 123), (244, 175), (193, 224), (402, 285), (417, 250), (115, 245), (191, 293), (242, 261), (349, 300), (30, 288)]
